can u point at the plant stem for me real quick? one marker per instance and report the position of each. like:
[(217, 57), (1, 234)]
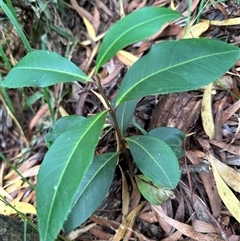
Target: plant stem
[(47, 98), (115, 124)]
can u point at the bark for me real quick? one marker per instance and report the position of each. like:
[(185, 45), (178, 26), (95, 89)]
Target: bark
[(13, 230), (179, 110)]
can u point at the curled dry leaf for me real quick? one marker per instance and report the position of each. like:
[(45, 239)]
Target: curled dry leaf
[(125, 194), (228, 174), (185, 228), (126, 58), (226, 22), (227, 196), (233, 149), (209, 184), (20, 206), (196, 30), (230, 111), (127, 222), (204, 227), (90, 28), (206, 112)]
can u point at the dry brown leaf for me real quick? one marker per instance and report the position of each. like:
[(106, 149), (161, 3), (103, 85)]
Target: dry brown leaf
[(209, 184), (14, 186), (225, 22), (104, 222), (96, 19), (81, 11), (193, 7), (196, 204), (100, 234), (197, 30), (5, 194), (103, 7), (162, 222), (77, 232), (134, 5), (149, 217), (27, 164), (112, 75), (125, 195), (29, 197), (230, 111), (185, 228), (225, 82), (127, 223), (43, 111), (100, 97), (126, 58), (203, 227), (206, 112), (121, 9), (62, 111), (173, 237), (30, 172), (229, 175), (135, 195), (91, 57), (234, 238), (227, 196), (234, 149), (90, 28), (88, 42), (20, 206)]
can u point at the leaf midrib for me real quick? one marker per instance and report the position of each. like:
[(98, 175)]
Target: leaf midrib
[(120, 36), (49, 70), (166, 69), (96, 173), (60, 179), (152, 158)]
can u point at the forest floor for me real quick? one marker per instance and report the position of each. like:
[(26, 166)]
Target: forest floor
[(74, 29)]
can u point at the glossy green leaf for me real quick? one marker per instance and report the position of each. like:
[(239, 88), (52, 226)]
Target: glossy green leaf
[(124, 114), (176, 66), (155, 194), (155, 159), (42, 68), (62, 171), (137, 26), (171, 136), (60, 126), (93, 189)]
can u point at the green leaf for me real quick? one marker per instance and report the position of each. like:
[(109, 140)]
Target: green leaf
[(137, 26), (93, 189), (124, 114), (60, 126), (171, 136), (176, 66), (155, 194), (62, 171), (42, 68), (155, 159)]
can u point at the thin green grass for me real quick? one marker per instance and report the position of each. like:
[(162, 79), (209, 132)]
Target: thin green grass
[(23, 216), (9, 11), (202, 5), (16, 170), (13, 19), (5, 59)]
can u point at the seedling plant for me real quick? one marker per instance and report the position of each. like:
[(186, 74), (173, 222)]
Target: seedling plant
[(73, 181)]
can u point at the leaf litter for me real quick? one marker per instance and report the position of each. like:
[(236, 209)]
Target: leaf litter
[(197, 211)]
